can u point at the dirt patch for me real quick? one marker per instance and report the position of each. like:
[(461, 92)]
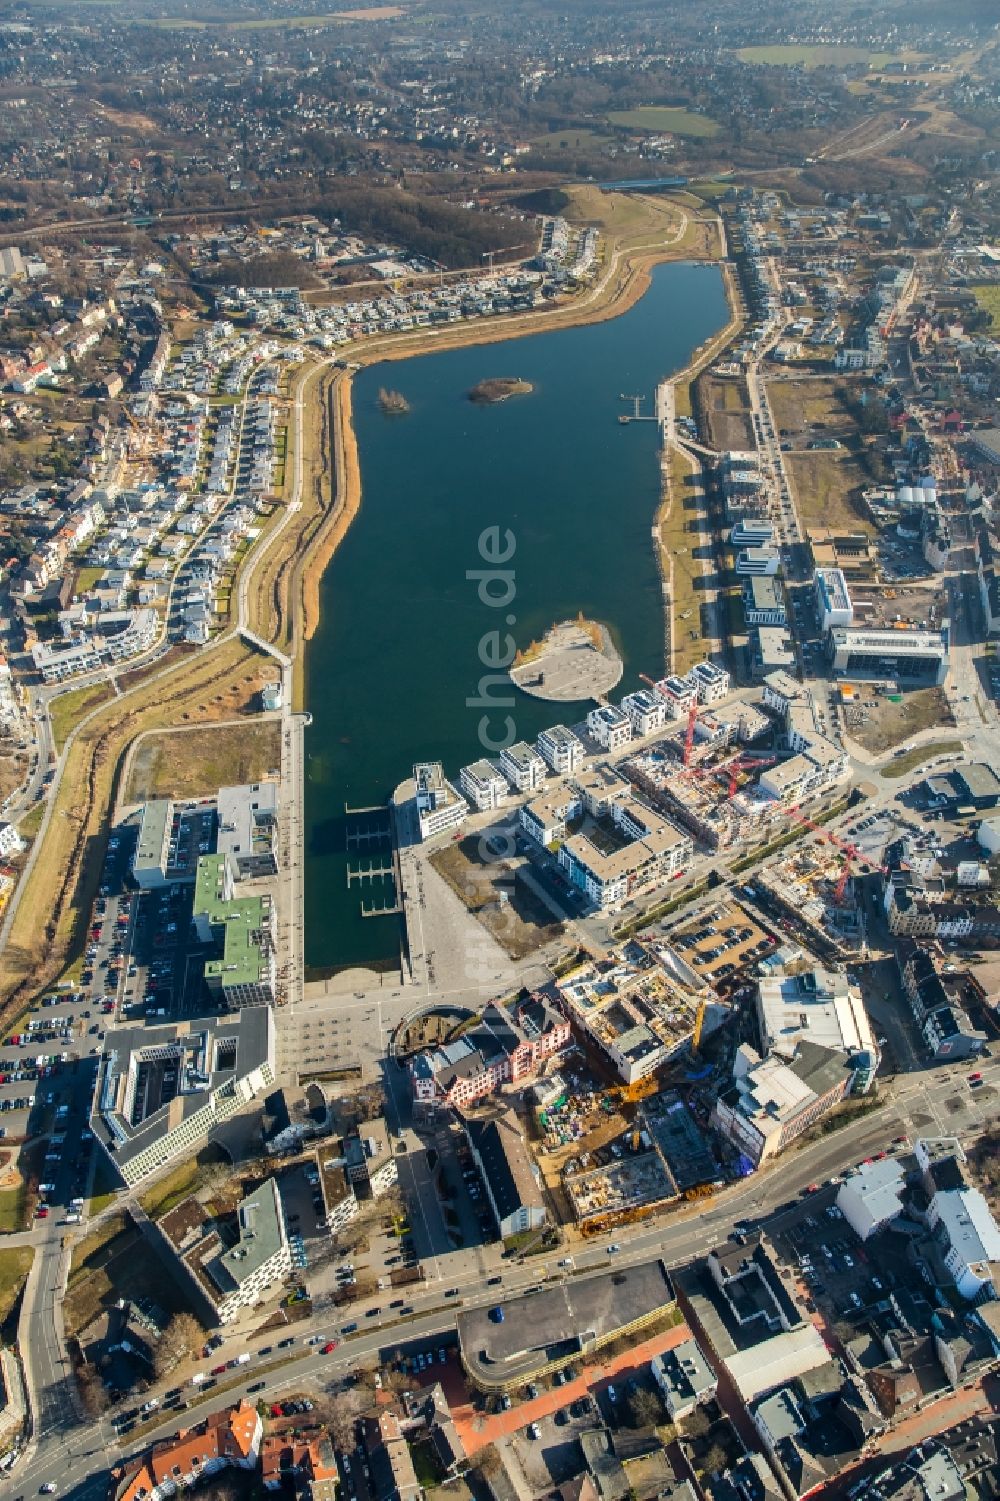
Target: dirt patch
[(724, 406), (826, 486), (879, 723), (196, 762), (509, 910), (13, 768)]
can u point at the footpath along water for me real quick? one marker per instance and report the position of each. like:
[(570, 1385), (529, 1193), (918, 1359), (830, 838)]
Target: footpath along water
[(397, 653)]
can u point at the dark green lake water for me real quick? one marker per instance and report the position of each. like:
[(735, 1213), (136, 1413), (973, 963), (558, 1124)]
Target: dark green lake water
[(396, 655)]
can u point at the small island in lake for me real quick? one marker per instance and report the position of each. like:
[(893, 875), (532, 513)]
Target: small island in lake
[(498, 388), (392, 401), (576, 660)]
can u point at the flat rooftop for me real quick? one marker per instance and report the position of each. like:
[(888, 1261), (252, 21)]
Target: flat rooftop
[(556, 1323)]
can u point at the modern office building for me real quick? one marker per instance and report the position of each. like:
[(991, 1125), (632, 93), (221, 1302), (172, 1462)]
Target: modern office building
[(248, 829), (242, 932), (910, 655), (764, 602), (237, 1275), (149, 862), (833, 600), (161, 1090)]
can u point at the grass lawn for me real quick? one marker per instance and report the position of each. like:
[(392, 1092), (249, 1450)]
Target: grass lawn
[(681, 538), (32, 821), (891, 724), (195, 762), (919, 755), (570, 140), (15, 1264), (813, 56), (988, 297), (676, 120), (821, 483), (86, 578), (12, 1206), (184, 1180), (69, 708), (105, 1186)]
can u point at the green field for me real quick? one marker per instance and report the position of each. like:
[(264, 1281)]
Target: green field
[(570, 140), (988, 297), (681, 122), (15, 1264), (813, 57)]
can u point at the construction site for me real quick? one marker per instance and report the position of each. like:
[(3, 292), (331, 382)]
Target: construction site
[(663, 1157), (638, 1007), (719, 804), (815, 880)]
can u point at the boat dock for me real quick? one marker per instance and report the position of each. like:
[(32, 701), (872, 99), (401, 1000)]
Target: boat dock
[(636, 414)]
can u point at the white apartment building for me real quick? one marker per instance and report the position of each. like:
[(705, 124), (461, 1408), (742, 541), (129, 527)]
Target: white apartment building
[(964, 1223), (561, 749), (710, 681), (439, 806), (92, 650), (646, 710), (483, 785), (523, 767), (11, 842), (657, 852), (545, 818), (679, 695), (611, 727)]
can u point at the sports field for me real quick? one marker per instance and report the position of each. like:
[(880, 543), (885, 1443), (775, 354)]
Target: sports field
[(681, 122)]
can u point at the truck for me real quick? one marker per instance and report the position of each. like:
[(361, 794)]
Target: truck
[(400, 1276), (239, 1359), (198, 1378)]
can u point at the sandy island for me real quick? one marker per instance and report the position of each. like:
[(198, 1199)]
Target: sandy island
[(575, 660)]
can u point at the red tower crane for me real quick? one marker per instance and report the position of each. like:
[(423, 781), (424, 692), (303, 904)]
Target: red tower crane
[(689, 737), (744, 763)]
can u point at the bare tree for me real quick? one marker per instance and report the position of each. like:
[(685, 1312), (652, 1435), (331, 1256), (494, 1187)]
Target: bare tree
[(645, 1408), (92, 1391), (183, 1336), (339, 1413)]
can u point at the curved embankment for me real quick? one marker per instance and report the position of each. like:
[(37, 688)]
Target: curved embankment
[(627, 279)]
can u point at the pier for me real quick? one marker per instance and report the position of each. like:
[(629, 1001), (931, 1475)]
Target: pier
[(636, 415), (387, 909), (378, 834), (370, 872)]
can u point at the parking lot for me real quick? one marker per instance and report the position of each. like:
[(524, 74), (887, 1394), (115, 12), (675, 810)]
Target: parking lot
[(720, 943)]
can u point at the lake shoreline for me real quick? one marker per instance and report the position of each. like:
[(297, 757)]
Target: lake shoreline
[(634, 271)]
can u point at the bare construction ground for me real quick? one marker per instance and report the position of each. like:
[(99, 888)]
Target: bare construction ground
[(826, 486), (724, 407), (891, 724), (514, 915), (197, 762)]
